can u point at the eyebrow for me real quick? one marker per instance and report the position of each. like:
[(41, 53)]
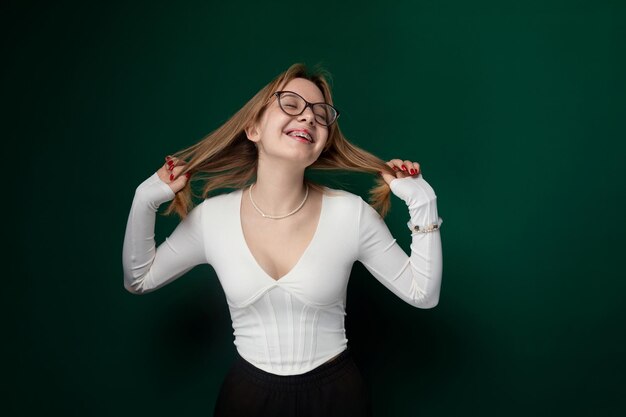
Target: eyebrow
[(312, 102)]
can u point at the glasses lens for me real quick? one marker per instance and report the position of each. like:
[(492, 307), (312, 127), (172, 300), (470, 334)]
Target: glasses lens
[(324, 114), (291, 103)]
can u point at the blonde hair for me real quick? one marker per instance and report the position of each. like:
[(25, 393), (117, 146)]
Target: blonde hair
[(227, 158)]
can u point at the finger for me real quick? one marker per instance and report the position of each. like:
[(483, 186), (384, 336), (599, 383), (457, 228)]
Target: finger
[(400, 166), (413, 167), (406, 166), (392, 166), (164, 173), (395, 164), (180, 182), (171, 162), (387, 177), (175, 171)]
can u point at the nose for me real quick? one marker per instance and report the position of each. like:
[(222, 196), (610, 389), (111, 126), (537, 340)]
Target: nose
[(307, 115)]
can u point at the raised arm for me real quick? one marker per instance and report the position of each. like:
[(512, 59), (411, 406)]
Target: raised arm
[(416, 278), (147, 268)]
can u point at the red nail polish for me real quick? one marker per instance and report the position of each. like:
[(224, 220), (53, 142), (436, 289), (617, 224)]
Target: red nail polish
[(171, 177), (395, 168), (167, 158), (403, 168), (412, 171), (188, 174), (170, 162)]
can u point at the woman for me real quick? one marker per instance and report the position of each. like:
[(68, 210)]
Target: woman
[(283, 246)]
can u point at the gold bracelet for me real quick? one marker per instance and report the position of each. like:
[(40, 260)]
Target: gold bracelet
[(425, 229)]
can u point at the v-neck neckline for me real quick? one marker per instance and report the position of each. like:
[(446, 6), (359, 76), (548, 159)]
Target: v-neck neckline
[(302, 256)]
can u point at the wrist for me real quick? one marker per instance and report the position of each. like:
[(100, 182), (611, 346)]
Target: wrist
[(155, 191), (414, 191)]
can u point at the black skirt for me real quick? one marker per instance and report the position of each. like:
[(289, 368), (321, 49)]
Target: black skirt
[(335, 388)]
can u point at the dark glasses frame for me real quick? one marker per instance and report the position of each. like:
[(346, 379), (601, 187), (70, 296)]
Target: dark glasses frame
[(307, 104)]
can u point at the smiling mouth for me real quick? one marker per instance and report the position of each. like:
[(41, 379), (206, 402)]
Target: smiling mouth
[(301, 136), (301, 140)]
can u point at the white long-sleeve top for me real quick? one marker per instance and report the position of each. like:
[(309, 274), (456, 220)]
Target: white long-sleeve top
[(291, 325)]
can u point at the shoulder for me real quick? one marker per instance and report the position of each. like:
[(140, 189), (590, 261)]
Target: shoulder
[(221, 199), (342, 200), (218, 203), (341, 196)]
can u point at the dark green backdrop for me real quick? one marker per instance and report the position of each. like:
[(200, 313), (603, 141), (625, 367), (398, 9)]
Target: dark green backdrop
[(515, 111)]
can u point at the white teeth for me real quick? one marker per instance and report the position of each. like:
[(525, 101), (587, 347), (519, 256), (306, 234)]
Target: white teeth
[(302, 135)]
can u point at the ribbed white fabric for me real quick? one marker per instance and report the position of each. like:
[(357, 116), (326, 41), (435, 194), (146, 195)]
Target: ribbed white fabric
[(295, 324)]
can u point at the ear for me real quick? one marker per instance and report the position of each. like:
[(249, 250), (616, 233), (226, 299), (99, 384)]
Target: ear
[(252, 133)]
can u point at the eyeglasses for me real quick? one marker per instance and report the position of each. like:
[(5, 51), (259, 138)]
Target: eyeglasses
[(294, 105)]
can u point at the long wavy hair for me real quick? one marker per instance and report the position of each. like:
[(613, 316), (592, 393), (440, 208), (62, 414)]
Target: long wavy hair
[(227, 158)]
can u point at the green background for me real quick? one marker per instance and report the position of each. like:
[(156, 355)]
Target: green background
[(515, 111)]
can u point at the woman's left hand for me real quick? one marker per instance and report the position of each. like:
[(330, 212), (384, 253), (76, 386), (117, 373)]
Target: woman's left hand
[(403, 169)]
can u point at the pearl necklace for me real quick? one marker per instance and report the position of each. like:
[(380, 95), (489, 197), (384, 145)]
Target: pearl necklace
[(283, 216)]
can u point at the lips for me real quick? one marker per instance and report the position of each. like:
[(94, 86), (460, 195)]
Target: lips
[(301, 133)]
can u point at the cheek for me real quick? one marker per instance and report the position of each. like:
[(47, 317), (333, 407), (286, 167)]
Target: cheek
[(279, 121), (325, 139)]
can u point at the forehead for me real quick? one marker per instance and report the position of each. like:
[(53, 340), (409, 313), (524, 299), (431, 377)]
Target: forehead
[(306, 89)]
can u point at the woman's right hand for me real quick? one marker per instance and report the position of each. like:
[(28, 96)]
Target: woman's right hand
[(169, 174)]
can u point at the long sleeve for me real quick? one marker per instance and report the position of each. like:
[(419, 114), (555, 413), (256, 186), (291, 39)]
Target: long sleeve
[(416, 279), (147, 268)]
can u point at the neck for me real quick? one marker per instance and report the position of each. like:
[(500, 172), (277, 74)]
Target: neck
[(279, 188)]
